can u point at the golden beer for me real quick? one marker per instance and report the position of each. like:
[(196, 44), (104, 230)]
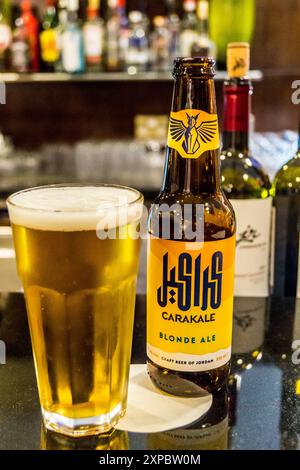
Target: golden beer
[(80, 295)]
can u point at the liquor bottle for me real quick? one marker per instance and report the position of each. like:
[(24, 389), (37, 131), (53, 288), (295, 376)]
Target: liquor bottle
[(191, 246), (62, 22), (5, 35), (204, 46), (231, 21), (93, 37), (189, 28), (49, 37), (173, 22), (286, 188), (31, 25), (244, 180), (160, 44), (116, 35), (72, 41), (138, 52), (210, 432), (20, 48)]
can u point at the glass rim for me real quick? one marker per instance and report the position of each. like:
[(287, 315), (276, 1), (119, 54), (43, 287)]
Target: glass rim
[(139, 198)]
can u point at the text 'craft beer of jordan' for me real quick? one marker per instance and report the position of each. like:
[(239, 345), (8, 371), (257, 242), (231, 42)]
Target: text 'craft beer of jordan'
[(191, 246)]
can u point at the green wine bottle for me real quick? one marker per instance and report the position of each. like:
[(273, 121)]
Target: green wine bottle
[(286, 189), (244, 181), (231, 21)]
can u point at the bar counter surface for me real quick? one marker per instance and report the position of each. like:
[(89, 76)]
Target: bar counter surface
[(262, 412)]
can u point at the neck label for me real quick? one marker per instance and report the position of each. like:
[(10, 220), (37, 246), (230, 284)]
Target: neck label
[(236, 109), (193, 132)]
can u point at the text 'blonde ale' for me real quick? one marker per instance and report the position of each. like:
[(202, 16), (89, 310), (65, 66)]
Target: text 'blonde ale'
[(80, 296), (191, 246)]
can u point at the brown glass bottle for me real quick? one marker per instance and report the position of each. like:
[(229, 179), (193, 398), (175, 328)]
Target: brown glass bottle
[(191, 179)]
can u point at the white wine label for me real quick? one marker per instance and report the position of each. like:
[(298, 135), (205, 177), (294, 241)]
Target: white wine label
[(272, 254), (298, 283), (296, 329), (252, 246)]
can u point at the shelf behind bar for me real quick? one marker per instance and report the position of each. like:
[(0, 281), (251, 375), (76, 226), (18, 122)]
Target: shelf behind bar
[(255, 75)]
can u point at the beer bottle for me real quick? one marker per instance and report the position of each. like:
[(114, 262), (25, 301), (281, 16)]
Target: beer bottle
[(191, 246)]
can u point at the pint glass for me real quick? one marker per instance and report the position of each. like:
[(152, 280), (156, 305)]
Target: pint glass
[(77, 250)]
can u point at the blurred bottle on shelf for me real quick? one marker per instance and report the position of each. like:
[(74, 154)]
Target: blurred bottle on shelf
[(231, 21), (20, 48), (210, 432), (160, 44), (49, 37), (93, 37), (244, 181), (62, 22), (138, 51), (204, 46), (5, 34), (72, 41), (116, 35), (286, 189), (31, 26), (189, 28), (173, 22)]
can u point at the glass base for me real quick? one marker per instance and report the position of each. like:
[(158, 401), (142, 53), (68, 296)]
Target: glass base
[(82, 427)]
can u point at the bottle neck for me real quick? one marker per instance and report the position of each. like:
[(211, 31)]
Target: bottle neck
[(193, 175), (92, 14), (202, 14), (203, 28), (237, 108)]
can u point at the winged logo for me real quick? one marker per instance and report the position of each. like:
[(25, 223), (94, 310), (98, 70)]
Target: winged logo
[(193, 132)]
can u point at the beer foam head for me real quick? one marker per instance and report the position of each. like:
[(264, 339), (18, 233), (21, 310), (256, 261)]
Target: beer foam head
[(75, 208)]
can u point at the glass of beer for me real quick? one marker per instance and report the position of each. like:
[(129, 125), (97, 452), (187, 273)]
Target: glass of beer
[(77, 250)]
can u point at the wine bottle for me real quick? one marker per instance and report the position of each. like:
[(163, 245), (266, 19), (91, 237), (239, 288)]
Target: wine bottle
[(244, 180), (286, 188), (230, 20)]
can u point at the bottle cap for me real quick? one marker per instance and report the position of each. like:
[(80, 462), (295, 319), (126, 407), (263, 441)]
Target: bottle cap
[(135, 16), (26, 5), (238, 59), (189, 5), (159, 21), (196, 67), (93, 4)]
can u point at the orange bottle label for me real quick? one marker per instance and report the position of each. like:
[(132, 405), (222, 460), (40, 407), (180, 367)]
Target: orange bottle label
[(190, 303), (193, 132)]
